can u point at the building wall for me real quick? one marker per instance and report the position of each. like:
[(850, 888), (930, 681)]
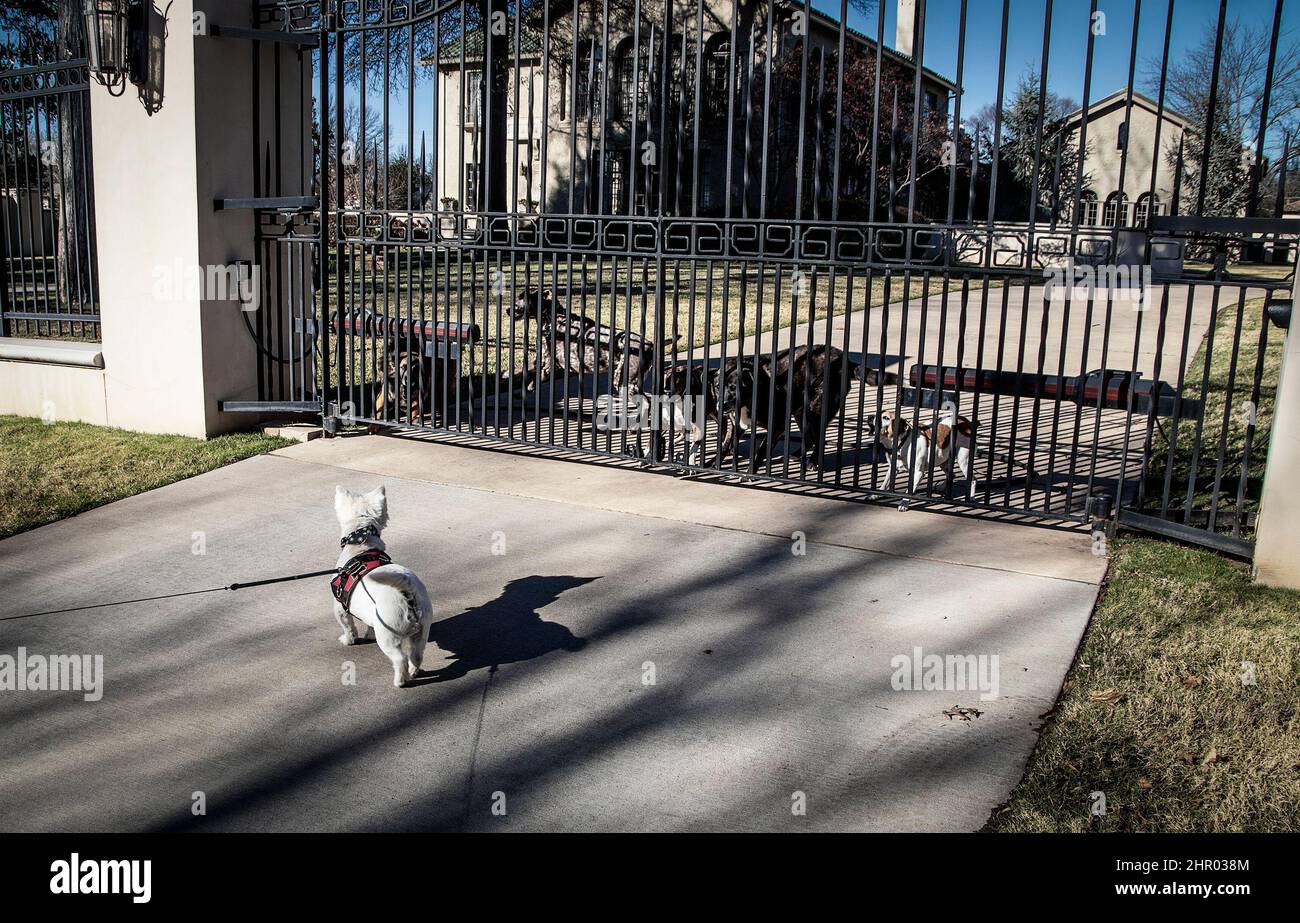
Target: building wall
[(1104, 157), (457, 134)]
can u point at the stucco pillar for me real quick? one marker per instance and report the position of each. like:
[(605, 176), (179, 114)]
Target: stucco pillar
[(173, 348), (1277, 539)]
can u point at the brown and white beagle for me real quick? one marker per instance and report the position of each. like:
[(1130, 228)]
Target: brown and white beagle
[(913, 450)]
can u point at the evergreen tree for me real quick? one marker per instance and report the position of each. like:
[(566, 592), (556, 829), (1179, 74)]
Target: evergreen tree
[(1033, 135)]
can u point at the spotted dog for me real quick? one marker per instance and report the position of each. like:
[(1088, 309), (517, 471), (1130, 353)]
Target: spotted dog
[(913, 450), (572, 344)]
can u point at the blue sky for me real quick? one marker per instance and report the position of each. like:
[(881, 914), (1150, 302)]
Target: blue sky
[(1069, 38)]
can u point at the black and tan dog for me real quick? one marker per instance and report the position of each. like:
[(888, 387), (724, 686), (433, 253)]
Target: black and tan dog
[(572, 344), (407, 390), (418, 387)]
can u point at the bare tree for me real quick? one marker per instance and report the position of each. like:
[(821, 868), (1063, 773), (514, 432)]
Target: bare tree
[(1239, 102)]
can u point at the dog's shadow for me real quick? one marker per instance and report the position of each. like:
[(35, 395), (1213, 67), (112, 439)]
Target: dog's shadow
[(506, 630)]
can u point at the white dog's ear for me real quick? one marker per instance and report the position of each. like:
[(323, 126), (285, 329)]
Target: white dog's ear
[(341, 497), (377, 502)]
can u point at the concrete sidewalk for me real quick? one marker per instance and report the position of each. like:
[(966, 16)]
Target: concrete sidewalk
[(646, 654)]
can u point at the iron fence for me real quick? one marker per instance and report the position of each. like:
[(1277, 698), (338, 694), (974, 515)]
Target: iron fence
[(751, 240), (48, 268)]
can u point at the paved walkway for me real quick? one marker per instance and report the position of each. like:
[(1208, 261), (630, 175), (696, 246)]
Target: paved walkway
[(646, 654)]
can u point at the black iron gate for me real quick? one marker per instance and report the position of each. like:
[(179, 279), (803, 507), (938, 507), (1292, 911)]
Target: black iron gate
[(749, 239), (48, 265)]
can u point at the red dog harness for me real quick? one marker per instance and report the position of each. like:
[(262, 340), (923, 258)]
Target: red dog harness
[(350, 574)]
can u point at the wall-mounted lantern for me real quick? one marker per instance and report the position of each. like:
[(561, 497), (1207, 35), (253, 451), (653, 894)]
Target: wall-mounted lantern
[(124, 41), (108, 25), (117, 42)]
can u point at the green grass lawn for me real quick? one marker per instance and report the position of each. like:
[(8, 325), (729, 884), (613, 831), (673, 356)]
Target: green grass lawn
[(1224, 436), (703, 303), (52, 471), (1159, 712)]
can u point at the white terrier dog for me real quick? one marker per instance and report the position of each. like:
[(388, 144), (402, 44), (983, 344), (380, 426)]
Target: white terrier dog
[(385, 596)]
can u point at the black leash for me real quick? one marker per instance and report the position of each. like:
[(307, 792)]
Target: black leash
[(145, 599)]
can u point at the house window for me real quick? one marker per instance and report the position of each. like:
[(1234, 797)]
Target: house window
[(931, 102), (1088, 208), (615, 166), (717, 65), (708, 192), (473, 99), (1147, 206), (1115, 212), (634, 65), (470, 199)]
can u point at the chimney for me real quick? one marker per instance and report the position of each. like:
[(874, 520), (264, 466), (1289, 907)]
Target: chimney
[(904, 28)]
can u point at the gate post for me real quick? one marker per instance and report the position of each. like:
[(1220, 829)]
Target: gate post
[(1277, 552), (175, 341)]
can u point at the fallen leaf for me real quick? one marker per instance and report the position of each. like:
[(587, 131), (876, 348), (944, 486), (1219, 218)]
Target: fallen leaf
[(1210, 757), (1191, 681), (1108, 696), (965, 714), (1144, 784)]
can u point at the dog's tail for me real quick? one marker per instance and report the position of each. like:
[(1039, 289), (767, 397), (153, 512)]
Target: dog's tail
[(411, 602), (864, 373)]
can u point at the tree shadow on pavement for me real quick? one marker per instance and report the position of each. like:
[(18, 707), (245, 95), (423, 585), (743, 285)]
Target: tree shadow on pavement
[(506, 630)]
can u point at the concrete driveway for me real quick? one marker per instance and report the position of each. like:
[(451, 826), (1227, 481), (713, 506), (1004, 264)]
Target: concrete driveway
[(619, 651)]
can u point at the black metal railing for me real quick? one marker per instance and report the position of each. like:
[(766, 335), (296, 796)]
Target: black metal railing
[(840, 254), (48, 268)]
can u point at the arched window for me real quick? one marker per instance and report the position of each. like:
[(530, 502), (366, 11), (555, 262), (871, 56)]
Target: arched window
[(634, 64), (1148, 205), (1115, 213), (717, 65), (1088, 207)]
